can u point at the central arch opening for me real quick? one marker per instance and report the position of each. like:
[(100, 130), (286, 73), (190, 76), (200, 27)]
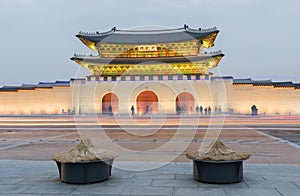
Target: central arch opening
[(110, 104), (147, 103), (185, 103)]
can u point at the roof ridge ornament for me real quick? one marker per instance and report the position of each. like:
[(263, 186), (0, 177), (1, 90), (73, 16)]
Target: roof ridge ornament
[(214, 52), (97, 33)]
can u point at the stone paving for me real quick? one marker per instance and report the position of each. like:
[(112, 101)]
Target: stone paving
[(273, 168), (23, 144), (42, 178)]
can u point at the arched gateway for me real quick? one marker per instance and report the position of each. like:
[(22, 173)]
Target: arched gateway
[(110, 103), (147, 103), (185, 103)]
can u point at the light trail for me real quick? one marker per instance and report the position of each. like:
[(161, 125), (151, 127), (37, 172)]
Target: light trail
[(148, 128)]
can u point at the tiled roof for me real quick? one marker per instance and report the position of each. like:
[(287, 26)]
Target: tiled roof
[(116, 36), (27, 87), (242, 81), (222, 78), (283, 84), (34, 86), (9, 88), (249, 81), (262, 82)]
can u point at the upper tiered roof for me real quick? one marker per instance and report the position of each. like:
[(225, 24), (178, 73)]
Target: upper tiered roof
[(116, 36)]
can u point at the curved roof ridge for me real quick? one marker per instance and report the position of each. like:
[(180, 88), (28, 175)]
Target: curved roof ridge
[(167, 30), (150, 30)]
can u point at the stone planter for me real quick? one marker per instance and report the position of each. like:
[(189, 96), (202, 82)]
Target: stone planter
[(217, 163), (84, 172), (218, 171), (84, 163)]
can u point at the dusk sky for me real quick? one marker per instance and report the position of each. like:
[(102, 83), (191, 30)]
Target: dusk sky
[(260, 39)]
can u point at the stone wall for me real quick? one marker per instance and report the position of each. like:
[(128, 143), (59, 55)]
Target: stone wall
[(38, 101), (86, 97)]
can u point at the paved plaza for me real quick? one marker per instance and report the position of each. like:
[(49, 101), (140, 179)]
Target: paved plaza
[(27, 145), (41, 178)]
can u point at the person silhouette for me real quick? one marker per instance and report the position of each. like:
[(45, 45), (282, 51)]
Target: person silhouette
[(110, 110), (209, 110), (205, 111), (254, 110), (201, 110), (132, 110)]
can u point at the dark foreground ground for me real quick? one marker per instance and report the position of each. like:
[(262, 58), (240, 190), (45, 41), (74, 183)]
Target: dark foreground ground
[(41, 178)]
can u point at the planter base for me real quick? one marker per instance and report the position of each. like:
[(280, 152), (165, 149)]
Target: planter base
[(218, 172), (84, 173)]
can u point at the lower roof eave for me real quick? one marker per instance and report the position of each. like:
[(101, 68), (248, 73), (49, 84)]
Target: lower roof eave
[(145, 60)]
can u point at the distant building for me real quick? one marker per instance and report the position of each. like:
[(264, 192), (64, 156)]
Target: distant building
[(154, 72)]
